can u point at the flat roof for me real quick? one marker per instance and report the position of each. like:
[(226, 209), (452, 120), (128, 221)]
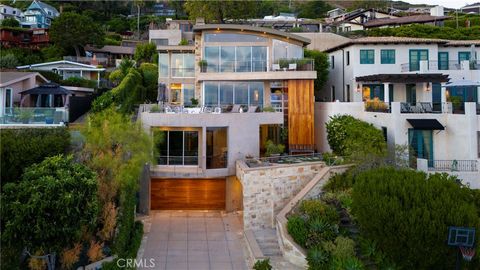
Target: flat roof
[(238, 27)]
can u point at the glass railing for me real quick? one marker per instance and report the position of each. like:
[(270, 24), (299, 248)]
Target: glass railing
[(236, 66), (440, 65), (34, 115), (183, 72), (302, 64)]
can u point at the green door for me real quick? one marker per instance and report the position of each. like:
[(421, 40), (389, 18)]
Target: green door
[(420, 144), (415, 57), (411, 93)]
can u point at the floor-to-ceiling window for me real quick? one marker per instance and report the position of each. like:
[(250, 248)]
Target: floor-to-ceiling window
[(236, 58), (372, 91), (174, 147), (217, 147), (183, 65), (420, 143), (228, 93)]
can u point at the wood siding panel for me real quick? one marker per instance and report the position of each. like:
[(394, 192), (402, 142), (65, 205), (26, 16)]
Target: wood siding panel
[(188, 194), (300, 114)]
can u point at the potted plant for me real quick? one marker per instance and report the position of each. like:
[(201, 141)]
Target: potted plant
[(268, 109), (456, 103), (304, 64), (274, 150), (25, 114), (155, 108), (283, 63), (203, 65), (194, 102)]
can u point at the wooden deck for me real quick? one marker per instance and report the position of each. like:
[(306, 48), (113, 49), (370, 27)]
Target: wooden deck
[(188, 194)]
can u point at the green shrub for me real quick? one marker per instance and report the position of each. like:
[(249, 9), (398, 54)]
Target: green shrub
[(9, 61), (272, 148), (355, 139), (340, 181), (10, 22), (318, 258), (50, 208), (145, 52), (149, 73), (21, 148), (407, 212), (320, 230), (50, 75), (102, 102), (317, 209), (297, 228), (79, 82), (262, 265)]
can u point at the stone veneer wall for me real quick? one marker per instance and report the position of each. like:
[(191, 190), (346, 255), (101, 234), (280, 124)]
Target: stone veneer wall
[(266, 190)]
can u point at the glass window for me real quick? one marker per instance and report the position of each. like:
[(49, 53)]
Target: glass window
[(160, 41), (443, 60), (176, 147), (463, 56), (8, 98), (241, 93), (163, 64), (421, 144), (244, 59), (189, 64), (367, 56), (259, 58), (256, 93), (227, 59), (183, 65), (175, 92), (213, 58), (348, 58), (188, 94), (226, 93), (211, 94), (217, 147), (231, 37), (282, 49), (160, 140), (387, 56), (332, 61), (190, 148)]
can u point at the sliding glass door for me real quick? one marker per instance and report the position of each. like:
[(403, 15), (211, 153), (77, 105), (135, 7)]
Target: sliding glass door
[(176, 147)]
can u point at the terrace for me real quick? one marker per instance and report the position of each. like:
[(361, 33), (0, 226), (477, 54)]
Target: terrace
[(36, 116), (293, 159)]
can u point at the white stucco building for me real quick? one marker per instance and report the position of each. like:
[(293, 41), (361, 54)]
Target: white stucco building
[(10, 12), (421, 92)]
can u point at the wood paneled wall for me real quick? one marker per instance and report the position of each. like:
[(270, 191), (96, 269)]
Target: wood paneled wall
[(300, 115)]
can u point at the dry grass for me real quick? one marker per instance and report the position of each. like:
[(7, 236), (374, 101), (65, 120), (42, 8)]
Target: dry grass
[(95, 252), (71, 256)]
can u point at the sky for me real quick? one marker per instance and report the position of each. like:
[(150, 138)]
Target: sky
[(445, 3)]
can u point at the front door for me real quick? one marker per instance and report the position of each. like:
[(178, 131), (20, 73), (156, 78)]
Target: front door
[(436, 97), (415, 57), (420, 144), (411, 93)]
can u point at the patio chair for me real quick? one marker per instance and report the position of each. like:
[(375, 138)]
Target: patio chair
[(235, 108), (405, 107), (206, 109), (416, 109), (276, 67), (292, 66), (427, 107), (217, 110), (168, 109), (252, 109)]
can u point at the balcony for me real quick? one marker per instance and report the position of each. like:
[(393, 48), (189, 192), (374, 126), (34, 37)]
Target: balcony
[(425, 66), (379, 106), (104, 61), (34, 116), (453, 166)]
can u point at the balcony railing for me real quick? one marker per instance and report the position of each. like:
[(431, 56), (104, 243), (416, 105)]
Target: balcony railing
[(453, 166), (90, 60), (303, 64), (183, 72), (179, 109), (433, 65), (423, 107), (34, 115)]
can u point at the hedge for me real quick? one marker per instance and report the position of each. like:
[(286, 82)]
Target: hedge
[(407, 213), (21, 148)]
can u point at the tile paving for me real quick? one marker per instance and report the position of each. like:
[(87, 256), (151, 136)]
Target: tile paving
[(195, 240)]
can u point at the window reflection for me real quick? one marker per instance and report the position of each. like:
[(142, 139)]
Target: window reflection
[(236, 58), (228, 93), (232, 37), (217, 150)]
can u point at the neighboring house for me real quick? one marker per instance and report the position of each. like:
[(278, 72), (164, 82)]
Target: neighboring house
[(25, 38), (108, 55), (354, 20), (175, 32), (39, 15), (10, 12), (14, 82), (68, 69), (251, 84), (422, 92), (472, 8), (335, 12), (415, 19)]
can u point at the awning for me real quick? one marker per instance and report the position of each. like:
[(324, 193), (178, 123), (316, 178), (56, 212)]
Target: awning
[(426, 124), (404, 78), (47, 89)]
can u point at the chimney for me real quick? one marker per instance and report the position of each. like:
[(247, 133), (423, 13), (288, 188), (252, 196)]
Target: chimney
[(199, 21)]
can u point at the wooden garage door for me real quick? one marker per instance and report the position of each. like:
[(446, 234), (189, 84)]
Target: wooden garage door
[(175, 194)]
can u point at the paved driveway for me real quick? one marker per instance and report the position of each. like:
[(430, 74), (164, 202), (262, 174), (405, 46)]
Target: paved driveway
[(182, 240)]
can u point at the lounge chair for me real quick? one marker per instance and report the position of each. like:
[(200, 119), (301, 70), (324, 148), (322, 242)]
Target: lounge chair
[(252, 109), (292, 66), (235, 108), (168, 109), (405, 107)]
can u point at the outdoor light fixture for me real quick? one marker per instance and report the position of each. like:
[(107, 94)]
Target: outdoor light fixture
[(358, 88), (255, 95), (428, 87)]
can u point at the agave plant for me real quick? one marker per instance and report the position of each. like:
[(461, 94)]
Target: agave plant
[(317, 258)]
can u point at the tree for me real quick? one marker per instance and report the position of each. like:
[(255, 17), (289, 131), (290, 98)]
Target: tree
[(321, 66), (72, 30), (367, 4), (51, 206), (10, 22), (8, 61), (312, 9), (145, 53), (220, 11), (407, 213), (118, 24)]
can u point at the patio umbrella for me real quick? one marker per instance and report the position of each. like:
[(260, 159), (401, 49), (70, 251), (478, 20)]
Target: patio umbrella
[(462, 83), (161, 95)]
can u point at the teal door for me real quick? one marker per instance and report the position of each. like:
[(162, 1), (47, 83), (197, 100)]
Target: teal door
[(390, 92), (437, 97), (420, 144), (415, 57), (462, 56), (411, 93), (442, 60)]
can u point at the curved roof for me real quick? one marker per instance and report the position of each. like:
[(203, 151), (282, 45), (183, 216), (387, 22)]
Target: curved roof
[(200, 28)]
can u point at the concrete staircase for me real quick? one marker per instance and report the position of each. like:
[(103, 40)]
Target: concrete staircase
[(268, 242)]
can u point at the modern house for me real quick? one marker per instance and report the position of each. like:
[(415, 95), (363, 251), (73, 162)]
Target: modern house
[(354, 20), (39, 15), (68, 69), (220, 100), (472, 8), (24, 38), (10, 12), (423, 93)]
